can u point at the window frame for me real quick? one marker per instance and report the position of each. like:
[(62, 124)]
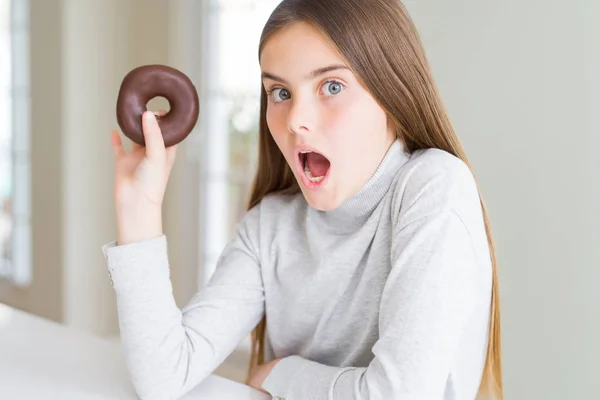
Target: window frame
[(20, 270)]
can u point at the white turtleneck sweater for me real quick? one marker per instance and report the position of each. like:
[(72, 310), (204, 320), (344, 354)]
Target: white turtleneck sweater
[(386, 297)]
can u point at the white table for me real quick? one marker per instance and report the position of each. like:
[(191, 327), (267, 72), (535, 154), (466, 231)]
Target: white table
[(41, 359)]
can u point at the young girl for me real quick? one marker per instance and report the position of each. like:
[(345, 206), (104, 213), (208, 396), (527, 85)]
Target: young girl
[(364, 265)]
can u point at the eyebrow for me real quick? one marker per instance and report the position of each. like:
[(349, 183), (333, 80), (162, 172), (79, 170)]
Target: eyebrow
[(312, 75)]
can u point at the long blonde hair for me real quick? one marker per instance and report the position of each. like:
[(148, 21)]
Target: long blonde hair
[(382, 47)]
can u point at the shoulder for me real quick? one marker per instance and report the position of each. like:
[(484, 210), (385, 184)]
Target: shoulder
[(272, 210), (432, 182), (260, 224)]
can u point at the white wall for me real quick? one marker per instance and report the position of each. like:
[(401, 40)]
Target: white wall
[(520, 79), (94, 59)]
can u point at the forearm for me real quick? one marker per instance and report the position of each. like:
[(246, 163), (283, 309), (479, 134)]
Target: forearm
[(154, 339), (168, 350), (139, 223)]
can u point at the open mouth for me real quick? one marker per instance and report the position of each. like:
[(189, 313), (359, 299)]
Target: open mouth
[(315, 165)]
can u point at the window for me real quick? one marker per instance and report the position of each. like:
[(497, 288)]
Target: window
[(231, 101), (15, 237)]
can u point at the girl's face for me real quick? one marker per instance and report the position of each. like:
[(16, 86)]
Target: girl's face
[(331, 131)]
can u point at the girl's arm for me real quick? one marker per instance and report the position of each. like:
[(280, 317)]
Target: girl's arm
[(431, 292), (168, 351)]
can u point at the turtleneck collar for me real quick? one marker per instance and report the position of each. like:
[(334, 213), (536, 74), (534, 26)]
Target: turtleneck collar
[(354, 211)]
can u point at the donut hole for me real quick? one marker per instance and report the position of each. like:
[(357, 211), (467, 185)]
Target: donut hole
[(158, 103)]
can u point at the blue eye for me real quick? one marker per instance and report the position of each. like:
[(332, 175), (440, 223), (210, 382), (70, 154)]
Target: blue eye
[(280, 94), (333, 87)]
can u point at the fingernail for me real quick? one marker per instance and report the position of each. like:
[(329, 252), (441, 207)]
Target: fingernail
[(149, 116)]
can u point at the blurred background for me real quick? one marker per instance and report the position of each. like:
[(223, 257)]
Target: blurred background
[(521, 82)]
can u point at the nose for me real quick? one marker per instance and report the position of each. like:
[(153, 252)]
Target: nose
[(301, 116)]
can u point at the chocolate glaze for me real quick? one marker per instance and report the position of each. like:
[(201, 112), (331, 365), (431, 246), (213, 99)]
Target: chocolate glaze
[(144, 83)]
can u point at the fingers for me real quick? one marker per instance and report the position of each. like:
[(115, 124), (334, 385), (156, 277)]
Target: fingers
[(135, 146), (155, 145), (116, 144), (171, 155), (152, 137)]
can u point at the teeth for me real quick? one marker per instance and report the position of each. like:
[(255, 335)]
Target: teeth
[(310, 177)]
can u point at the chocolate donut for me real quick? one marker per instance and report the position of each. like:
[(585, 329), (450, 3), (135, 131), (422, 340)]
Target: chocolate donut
[(144, 83)]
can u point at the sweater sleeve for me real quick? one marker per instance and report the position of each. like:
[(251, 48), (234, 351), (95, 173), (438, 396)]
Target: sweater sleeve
[(431, 291), (169, 350)]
